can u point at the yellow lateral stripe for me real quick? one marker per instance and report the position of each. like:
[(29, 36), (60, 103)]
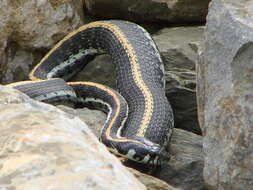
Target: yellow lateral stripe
[(137, 78), (117, 109), (25, 82), (20, 83), (133, 62)]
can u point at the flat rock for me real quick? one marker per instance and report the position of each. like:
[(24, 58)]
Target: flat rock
[(28, 28), (43, 148), (225, 84), (177, 11)]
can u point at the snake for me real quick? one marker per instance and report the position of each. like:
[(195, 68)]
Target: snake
[(140, 120)]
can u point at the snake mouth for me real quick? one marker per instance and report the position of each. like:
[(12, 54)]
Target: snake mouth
[(143, 151), (154, 155)]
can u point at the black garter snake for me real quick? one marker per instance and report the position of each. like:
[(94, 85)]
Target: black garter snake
[(140, 119)]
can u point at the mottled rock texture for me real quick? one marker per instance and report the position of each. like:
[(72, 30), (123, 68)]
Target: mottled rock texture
[(176, 11), (185, 168), (150, 182), (43, 148), (27, 28), (225, 95)]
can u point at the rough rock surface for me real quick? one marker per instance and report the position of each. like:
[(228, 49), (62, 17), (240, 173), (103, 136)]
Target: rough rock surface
[(150, 182), (150, 10), (185, 169), (225, 95), (95, 119), (178, 47), (100, 70), (30, 26), (43, 148)]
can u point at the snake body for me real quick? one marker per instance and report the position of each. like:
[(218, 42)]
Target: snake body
[(140, 119)]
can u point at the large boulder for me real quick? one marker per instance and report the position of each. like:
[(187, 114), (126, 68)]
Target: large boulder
[(177, 11), (27, 28), (225, 86), (43, 148)]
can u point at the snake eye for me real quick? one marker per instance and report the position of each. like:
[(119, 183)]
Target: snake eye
[(142, 150), (154, 155), (159, 155)]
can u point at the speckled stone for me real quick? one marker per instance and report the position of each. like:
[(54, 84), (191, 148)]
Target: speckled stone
[(225, 86), (28, 28)]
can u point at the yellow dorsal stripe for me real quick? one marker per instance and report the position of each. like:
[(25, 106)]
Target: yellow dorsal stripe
[(117, 101), (133, 62)]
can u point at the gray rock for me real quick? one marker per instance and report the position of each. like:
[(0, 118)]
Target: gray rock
[(32, 26), (17, 63), (225, 95), (95, 119), (176, 11), (100, 70), (42, 147), (178, 47), (151, 182), (184, 170)]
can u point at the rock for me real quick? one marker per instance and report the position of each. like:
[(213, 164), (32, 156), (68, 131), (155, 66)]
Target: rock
[(100, 70), (42, 147), (27, 27), (184, 170), (39, 24), (177, 11), (95, 119), (225, 95), (178, 47), (150, 182), (18, 62)]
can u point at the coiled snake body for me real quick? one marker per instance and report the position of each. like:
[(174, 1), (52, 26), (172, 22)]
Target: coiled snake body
[(140, 120)]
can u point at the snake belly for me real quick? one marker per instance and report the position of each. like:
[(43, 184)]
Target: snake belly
[(140, 119)]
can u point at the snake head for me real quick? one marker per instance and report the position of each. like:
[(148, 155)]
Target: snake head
[(144, 151)]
